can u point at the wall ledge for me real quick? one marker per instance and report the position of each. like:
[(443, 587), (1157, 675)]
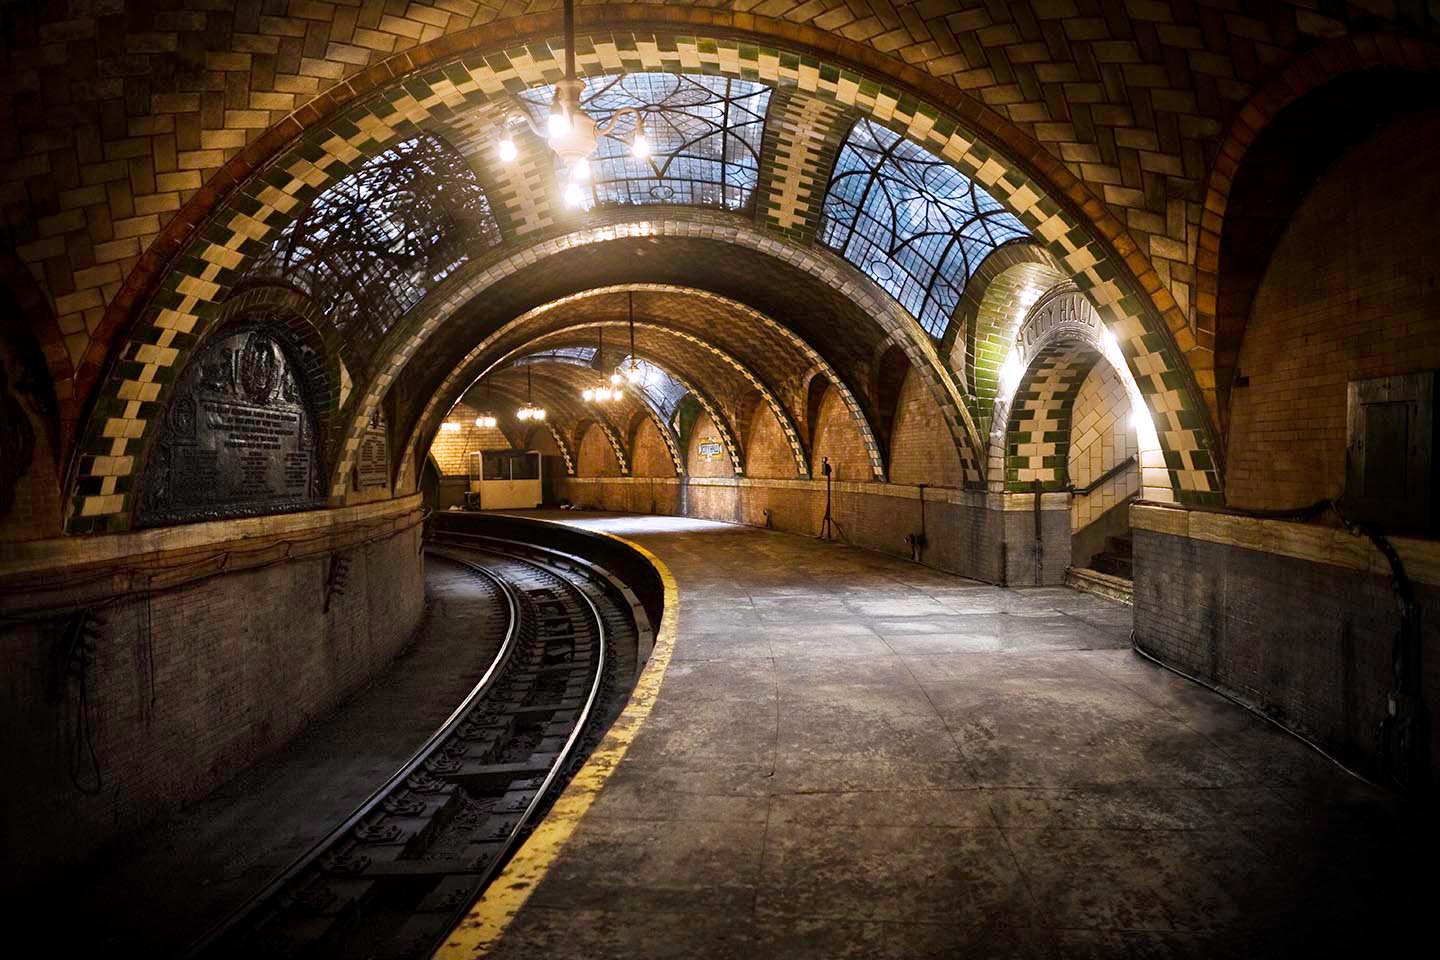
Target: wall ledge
[(1333, 546), (62, 555), (904, 491)]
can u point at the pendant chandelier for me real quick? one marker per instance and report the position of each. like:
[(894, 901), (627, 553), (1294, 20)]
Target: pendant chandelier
[(609, 390), (486, 420), (529, 411), (570, 132)]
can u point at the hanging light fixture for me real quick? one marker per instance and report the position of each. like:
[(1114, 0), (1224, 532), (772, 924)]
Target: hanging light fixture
[(529, 411), (487, 420), (571, 132), (633, 373), (609, 390)]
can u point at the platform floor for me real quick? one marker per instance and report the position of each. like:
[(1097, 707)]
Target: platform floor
[(855, 756)]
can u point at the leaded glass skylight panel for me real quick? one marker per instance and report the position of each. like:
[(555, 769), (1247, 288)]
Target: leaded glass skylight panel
[(662, 390), (916, 225), (579, 356), (704, 133), (368, 248)]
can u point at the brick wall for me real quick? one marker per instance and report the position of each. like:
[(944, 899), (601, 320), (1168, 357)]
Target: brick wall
[(188, 688), (704, 431), (1101, 437), (649, 456), (452, 450), (767, 453), (836, 437), (594, 456), (1349, 293), (921, 448), (1307, 642)]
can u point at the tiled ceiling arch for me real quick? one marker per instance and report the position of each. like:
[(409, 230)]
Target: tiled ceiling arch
[(693, 355), (330, 147), (722, 326)]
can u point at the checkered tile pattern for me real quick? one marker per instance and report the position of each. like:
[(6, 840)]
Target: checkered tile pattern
[(1037, 442)]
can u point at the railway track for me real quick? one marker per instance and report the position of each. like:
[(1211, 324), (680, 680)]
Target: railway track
[(397, 874)]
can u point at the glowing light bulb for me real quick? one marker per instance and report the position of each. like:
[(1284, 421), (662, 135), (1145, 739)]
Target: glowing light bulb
[(523, 413), (640, 147), (557, 126), (508, 151), (634, 374), (540, 414), (580, 171), (573, 195), (615, 379), (587, 395), (616, 393)]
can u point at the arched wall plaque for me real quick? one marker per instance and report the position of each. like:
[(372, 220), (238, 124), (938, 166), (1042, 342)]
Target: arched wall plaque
[(239, 438)]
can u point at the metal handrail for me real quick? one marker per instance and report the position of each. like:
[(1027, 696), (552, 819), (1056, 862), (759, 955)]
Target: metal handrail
[(1110, 474)]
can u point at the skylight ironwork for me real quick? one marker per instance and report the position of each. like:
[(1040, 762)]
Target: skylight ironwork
[(703, 134), (916, 225), (368, 248), (579, 356), (662, 390)]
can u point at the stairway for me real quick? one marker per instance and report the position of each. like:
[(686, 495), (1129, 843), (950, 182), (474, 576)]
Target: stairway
[(1116, 559)]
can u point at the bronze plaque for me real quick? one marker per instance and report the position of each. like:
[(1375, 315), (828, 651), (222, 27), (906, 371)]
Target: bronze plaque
[(372, 461), (238, 439)]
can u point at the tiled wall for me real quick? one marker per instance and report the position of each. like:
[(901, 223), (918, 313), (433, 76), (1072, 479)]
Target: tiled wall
[(921, 448), (452, 450), (596, 456), (650, 457), (1350, 293), (702, 430), (1101, 437)]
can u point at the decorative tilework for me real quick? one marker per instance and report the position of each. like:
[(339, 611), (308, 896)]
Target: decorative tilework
[(1037, 442), (189, 294)]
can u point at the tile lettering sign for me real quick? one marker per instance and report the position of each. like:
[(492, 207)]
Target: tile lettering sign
[(710, 449), (238, 440)]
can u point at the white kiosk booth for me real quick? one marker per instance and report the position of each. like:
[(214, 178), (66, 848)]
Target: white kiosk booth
[(504, 480)]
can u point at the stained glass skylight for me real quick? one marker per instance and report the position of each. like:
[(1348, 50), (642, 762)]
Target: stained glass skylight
[(915, 224), (368, 248), (704, 134), (662, 390)]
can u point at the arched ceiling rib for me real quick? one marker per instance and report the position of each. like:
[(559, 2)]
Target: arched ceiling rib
[(454, 79)]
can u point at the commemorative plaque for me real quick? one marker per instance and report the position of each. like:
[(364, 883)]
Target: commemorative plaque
[(238, 440), (372, 461)]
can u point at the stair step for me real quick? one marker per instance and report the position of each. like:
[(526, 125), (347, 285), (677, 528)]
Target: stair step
[(1093, 581), (1114, 565), (1118, 546)]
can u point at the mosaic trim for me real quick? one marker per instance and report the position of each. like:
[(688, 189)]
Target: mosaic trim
[(185, 304), (1037, 439)]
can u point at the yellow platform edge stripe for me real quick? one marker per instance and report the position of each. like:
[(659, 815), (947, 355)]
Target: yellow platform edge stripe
[(485, 923)]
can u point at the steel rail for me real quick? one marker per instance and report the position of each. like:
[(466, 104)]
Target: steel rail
[(441, 734), (582, 721)]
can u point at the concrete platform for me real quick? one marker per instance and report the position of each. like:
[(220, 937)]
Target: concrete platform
[(854, 756)]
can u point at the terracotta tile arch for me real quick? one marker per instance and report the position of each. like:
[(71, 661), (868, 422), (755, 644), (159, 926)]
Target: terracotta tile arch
[(467, 370), (728, 436), (171, 292), (429, 420), (1223, 324)]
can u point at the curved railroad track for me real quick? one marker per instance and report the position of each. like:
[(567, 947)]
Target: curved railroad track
[(397, 874)]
